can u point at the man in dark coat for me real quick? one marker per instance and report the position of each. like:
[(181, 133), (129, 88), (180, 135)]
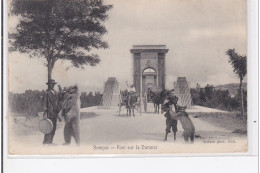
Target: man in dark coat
[(52, 109)]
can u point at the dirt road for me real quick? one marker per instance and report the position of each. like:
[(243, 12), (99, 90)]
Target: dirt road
[(103, 133)]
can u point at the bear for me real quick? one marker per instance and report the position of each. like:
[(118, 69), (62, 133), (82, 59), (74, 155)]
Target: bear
[(71, 113), (187, 125)]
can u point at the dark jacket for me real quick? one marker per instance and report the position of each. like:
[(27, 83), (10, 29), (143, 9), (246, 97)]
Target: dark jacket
[(52, 106)]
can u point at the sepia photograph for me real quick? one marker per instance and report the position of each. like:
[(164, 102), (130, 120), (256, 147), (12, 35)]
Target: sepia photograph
[(127, 77)]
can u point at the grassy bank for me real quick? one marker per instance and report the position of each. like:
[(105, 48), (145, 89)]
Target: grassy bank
[(227, 120)]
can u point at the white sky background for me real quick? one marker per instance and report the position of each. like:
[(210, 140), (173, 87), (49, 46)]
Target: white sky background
[(196, 32)]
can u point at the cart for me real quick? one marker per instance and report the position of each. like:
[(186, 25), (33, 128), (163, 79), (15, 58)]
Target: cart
[(122, 105)]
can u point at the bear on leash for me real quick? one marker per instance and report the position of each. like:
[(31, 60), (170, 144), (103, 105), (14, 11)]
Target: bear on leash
[(187, 125)]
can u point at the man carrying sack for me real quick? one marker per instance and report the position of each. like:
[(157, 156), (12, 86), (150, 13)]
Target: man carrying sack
[(51, 110)]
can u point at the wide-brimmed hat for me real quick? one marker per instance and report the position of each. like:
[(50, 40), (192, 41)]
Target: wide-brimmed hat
[(51, 81)]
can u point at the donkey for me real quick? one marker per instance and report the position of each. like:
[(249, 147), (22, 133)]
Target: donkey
[(129, 100), (130, 104)]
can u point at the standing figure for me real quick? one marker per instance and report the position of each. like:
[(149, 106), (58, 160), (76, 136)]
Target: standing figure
[(173, 100), (130, 87), (171, 123), (71, 113), (51, 109)]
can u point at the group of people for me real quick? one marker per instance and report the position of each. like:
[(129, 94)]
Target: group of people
[(62, 104), (66, 104)]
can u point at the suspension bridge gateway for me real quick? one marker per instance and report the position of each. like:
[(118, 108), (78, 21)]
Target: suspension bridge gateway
[(149, 67)]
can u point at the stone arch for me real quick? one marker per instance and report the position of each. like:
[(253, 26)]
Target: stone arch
[(149, 70)]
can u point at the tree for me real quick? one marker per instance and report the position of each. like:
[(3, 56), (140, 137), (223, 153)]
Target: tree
[(202, 95), (28, 103), (198, 87), (60, 30), (209, 91), (239, 64), (195, 96)]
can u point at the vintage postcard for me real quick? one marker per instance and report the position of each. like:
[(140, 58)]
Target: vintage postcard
[(127, 77)]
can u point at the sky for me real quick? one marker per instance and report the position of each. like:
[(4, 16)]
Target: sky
[(196, 32)]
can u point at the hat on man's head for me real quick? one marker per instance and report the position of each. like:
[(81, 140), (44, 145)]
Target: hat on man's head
[(51, 81), (171, 93)]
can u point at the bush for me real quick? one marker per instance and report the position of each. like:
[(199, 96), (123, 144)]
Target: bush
[(88, 100), (31, 102), (220, 99), (28, 103)]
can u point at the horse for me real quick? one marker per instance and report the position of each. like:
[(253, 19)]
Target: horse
[(129, 99), (157, 100)]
